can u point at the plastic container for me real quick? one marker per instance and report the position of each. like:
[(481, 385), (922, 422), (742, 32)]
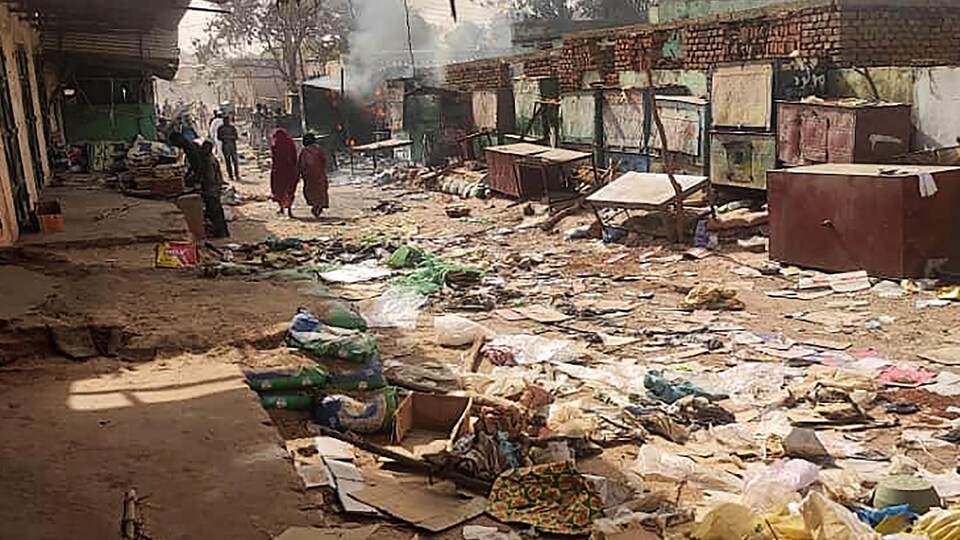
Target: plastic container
[(914, 491)]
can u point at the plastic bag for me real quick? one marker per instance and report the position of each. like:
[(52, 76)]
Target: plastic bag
[(395, 308), (656, 464), (455, 331), (368, 413), (827, 520), (778, 485), (313, 337), (527, 349)]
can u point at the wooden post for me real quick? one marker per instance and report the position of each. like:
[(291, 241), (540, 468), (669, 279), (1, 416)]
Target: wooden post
[(667, 159)]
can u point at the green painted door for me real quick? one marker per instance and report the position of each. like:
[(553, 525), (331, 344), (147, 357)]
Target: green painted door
[(33, 137), (11, 148)]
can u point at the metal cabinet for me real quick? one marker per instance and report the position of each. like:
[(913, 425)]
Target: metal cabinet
[(742, 159), (843, 217), (841, 132)]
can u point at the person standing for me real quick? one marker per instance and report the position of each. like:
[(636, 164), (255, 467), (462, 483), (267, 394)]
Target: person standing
[(313, 169), (211, 186), (214, 128), (228, 137), (283, 171)]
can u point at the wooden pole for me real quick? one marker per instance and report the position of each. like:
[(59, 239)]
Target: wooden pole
[(667, 158)]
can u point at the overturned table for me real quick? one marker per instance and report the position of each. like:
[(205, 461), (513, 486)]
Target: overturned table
[(374, 147), (643, 191)]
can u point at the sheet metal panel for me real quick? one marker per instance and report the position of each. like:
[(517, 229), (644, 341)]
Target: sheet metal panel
[(684, 121), (742, 159), (493, 110), (741, 95), (844, 217), (577, 118), (625, 120), (937, 114), (824, 133), (628, 161)]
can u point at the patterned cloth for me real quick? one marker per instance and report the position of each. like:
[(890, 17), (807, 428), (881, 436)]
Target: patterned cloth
[(553, 498)]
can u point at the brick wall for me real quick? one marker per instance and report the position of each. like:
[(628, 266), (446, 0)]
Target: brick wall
[(490, 74), (840, 33)]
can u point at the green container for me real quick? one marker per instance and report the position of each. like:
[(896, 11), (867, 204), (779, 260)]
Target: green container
[(905, 489)]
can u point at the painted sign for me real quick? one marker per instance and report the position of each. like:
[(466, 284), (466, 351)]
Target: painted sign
[(741, 96)]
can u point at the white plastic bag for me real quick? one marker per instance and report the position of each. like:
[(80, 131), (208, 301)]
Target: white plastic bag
[(395, 308), (778, 485), (455, 331), (655, 464)]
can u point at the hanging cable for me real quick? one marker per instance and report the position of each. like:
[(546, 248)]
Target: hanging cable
[(413, 60)]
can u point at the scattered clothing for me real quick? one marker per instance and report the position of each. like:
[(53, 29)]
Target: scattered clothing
[(553, 498)]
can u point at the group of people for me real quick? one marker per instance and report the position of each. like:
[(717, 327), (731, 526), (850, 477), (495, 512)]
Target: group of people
[(288, 167)]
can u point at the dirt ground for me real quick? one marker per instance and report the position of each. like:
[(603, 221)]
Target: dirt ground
[(183, 430)]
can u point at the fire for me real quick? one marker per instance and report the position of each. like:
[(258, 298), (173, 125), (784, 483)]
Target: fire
[(378, 92), (351, 141)]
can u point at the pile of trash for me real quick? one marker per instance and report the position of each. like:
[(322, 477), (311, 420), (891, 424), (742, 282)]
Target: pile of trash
[(153, 169)]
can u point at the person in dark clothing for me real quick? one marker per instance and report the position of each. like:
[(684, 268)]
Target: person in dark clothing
[(228, 136), (211, 183), (194, 156)]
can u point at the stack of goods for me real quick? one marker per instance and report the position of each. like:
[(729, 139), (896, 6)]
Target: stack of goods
[(343, 386), (154, 168)]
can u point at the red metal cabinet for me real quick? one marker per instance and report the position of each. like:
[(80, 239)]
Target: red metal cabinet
[(834, 132), (840, 217)]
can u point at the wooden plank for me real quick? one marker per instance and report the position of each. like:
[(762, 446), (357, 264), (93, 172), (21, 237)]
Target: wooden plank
[(644, 190)]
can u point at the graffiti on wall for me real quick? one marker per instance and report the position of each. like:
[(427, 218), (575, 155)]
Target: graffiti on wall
[(802, 78)]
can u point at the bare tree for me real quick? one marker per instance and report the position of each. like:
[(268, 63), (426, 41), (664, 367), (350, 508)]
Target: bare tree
[(288, 32)]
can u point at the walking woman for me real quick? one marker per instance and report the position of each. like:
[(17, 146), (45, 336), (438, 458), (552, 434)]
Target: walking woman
[(283, 172), (313, 170)]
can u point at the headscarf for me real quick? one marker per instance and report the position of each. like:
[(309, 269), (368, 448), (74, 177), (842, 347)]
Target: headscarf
[(283, 149)]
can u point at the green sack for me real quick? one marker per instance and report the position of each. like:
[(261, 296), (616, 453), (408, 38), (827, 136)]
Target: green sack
[(361, 413), (340, 314), (405, 257), (293, 402), (274, 380)]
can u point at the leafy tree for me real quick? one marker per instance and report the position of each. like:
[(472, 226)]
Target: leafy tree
[(289, 32)]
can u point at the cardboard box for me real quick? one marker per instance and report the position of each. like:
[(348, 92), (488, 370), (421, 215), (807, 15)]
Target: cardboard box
[(428, 424)]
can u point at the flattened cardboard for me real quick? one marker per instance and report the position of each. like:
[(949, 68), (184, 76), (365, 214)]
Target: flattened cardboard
[(313, 533), (422, 506)]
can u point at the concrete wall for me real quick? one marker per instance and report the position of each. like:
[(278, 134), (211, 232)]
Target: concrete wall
[(14, 33), (670, 10)]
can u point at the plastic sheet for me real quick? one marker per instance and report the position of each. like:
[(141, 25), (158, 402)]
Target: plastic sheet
[(779, 484), (656, 464), (528, 349), (827, 520), (456, 331), (395, 308)]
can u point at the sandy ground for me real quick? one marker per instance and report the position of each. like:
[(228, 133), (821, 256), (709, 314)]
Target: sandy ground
[(183, 431)]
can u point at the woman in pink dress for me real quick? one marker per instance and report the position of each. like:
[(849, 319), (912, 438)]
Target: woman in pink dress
[(283, 171), (313, 170)]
